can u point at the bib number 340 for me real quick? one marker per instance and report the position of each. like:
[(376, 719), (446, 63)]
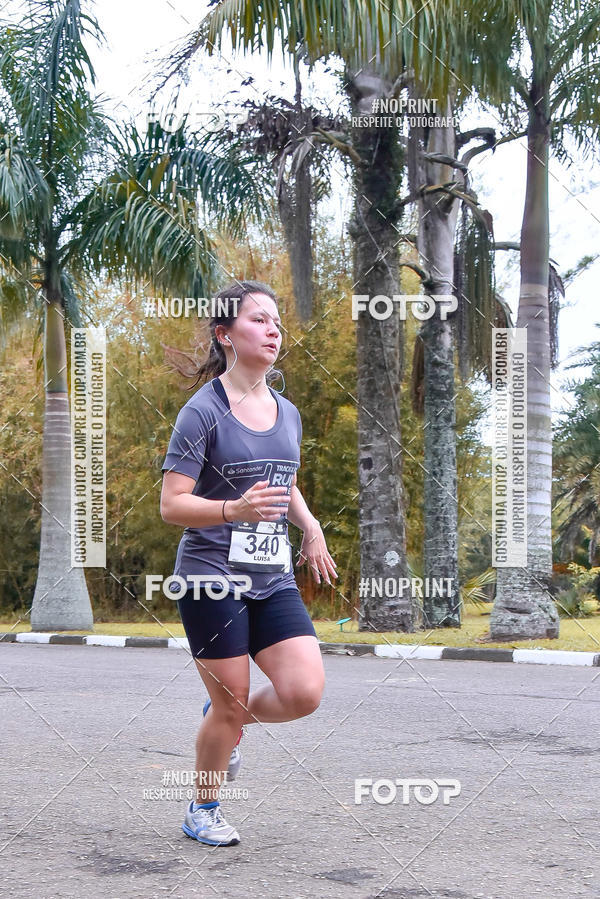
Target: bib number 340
[(263, 546)]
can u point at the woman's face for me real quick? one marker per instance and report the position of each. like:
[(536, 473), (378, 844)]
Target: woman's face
[(255, 332)]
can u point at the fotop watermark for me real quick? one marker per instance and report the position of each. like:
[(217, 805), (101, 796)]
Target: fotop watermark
[(400, 586), (216, 586), (422, 306), (196, 118), (423, 790), (404, 112), (190, 307)]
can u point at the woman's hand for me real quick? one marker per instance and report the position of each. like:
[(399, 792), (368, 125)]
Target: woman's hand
[(315, 550), (259, 503)]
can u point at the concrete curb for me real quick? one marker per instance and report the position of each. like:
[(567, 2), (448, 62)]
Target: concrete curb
[(383, 650), (97, 640)]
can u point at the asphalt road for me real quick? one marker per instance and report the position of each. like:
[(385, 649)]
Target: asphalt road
[(87, 730)]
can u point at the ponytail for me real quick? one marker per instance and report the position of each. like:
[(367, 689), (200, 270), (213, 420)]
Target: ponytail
[(214, 365)]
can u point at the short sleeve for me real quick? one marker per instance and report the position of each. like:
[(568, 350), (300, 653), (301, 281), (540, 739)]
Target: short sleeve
[(186, 452), (299, 428)]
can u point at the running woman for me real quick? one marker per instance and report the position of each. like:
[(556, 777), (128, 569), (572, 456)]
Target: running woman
[(230, 481)]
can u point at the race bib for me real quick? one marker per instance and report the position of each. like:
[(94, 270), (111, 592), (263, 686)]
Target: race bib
[(260, 546)]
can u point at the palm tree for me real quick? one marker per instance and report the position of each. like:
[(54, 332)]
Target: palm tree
[(65, 215), (492, 39), (376, 49), (559, 88), (55, 127), (439, 184)]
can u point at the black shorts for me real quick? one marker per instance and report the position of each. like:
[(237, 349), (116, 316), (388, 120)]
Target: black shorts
[(228, 627)]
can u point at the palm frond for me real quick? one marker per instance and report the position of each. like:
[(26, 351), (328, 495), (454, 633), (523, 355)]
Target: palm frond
[(475, 289), (45, 73), (15, 305), (472, 592), (24, 194), (576, 455), (122, 228), (153, 211), (217, 170), (556, 293), (391, 36), (575, 33), (69, 291)]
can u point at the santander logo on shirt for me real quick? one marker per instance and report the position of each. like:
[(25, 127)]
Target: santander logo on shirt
[(279, 472)]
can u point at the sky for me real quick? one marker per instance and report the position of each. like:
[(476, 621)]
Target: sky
[(140, 34)]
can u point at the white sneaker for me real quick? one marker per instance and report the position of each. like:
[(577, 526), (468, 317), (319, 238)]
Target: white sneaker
[(235, 759), (207, 825)]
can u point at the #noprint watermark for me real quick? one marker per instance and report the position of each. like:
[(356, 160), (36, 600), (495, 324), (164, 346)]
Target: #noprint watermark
[(176, 777), (215, 586), (404, 113), (190, 307), (381, 307), (377, 587), (422, 790), (181, 785)]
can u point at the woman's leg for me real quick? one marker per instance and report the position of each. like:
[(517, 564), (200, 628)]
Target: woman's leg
[(295, 668), (228, 683), (220, 628)]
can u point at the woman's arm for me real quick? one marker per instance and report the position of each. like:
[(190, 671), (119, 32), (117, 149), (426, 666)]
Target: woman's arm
[(299, 513), (314, 547), (179, 506)]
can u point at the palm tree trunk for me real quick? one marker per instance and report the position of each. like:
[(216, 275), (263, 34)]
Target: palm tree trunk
[(379, 363), (524, 608), (61, 600), (437, 225), (295, 210)]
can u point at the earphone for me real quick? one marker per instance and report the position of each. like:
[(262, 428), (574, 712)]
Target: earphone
[(272, 369), (280, 373)]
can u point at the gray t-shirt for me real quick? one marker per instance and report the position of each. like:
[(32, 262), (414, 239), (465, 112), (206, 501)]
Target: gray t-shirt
[(226, 458)]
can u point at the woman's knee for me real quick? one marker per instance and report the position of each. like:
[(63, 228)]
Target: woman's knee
[(301, 697), (228, 685), (230, 707)]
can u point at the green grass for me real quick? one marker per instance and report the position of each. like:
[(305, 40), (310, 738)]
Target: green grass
[(575, 634)]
